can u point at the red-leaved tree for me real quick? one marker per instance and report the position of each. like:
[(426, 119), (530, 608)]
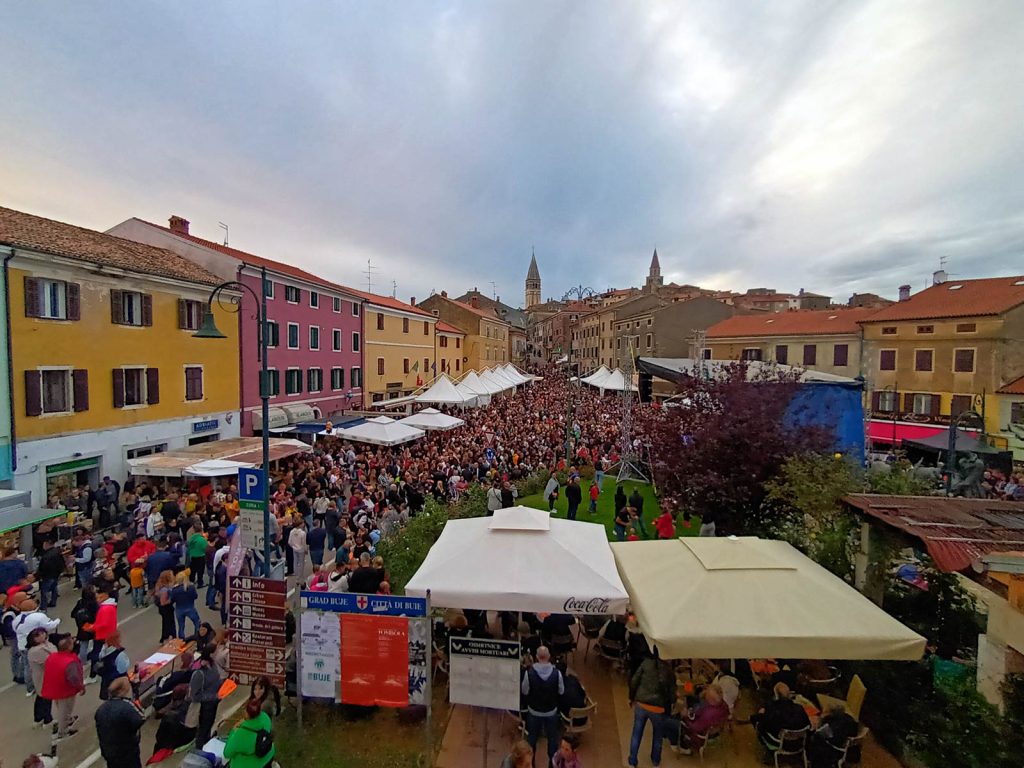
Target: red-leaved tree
[(713, 454)]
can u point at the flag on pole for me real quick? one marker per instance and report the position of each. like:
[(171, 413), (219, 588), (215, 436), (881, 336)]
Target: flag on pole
[(416, 367), (433, 368)]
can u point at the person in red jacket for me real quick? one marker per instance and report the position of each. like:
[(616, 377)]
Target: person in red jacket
[(141, 548), (63, 680), (103, 627), (665, 525)]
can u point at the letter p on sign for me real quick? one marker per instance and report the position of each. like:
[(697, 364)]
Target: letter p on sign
[(250, 484)]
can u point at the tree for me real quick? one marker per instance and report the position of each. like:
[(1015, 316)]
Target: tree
[(730, 436)]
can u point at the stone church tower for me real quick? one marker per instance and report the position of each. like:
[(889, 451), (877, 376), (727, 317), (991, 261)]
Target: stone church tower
[(532, 284), (654, 278)]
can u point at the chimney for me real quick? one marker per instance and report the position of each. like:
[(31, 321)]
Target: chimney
[(444, 294), (939, 277), (904, 293), (178, 224), (474, 302), (412, 300)]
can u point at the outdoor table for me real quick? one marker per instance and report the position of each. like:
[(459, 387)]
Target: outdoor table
[(161, 662)]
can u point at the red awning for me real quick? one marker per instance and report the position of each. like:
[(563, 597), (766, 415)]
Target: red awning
[(883, 431)]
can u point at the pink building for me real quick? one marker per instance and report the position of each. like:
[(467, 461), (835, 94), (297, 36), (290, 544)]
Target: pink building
[(315, 338)]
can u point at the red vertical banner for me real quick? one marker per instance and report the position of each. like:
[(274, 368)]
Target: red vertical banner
[(374, 660)]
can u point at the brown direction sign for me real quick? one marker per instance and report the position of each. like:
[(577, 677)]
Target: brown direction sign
[(256, 628)]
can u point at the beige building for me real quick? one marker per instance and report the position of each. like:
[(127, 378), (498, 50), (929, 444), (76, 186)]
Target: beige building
[(820, 340), (449, 349), (487, 341)]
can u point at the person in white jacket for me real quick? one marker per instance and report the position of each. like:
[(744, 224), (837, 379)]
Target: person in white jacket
[(30, 618), (297, 541)]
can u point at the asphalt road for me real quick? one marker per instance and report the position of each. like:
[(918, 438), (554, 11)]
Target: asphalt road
[(140, 633)]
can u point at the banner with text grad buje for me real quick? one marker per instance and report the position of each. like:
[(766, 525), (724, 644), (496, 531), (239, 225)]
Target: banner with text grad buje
[(374, 660), (321, 658)]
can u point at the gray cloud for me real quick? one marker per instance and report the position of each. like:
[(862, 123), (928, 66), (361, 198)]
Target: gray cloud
[(829, 146)]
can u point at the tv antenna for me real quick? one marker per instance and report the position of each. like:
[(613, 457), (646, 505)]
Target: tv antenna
[(494, 290), (394, 289), (370, 269), (224, 226)]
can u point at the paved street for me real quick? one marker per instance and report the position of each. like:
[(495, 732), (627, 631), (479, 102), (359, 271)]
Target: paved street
[(140, 632)]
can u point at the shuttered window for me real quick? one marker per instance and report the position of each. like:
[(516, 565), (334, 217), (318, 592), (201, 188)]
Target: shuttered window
[(963, 360), (193, 382), (56, 391), (923, 359), (52, 299), (840, 355), (887, 360), (337, 378), (131, 308), (190, 314), (781, 353), (136, 386)]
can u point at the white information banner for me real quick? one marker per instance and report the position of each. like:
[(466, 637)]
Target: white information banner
[(484, 673), (250, 526), (321, 654)]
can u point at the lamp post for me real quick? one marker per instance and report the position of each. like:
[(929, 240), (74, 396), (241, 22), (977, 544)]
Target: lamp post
[(954, 425), (209, 330)]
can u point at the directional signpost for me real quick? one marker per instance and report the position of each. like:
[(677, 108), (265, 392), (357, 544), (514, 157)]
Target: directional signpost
[(256, 628)]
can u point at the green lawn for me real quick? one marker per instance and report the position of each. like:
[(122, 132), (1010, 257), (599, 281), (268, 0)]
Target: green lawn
[(606, 507)]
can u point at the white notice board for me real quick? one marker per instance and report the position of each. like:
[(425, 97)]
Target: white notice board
[(484, 673)]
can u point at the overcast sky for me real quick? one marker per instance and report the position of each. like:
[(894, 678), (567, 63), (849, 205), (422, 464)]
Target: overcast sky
[(832, 146)]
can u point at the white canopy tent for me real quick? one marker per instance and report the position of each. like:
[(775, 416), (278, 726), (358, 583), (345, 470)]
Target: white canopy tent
[(752, 598), (431, 418), (615, 381), (442, 391), (475, 392), (380, 430), (521, 559), (493, 385), (512, 374), (597, 376), (499, 374), (216, 468)]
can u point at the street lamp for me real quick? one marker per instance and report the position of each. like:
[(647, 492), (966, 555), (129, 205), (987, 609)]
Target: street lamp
[(208, 330), (954, 425)]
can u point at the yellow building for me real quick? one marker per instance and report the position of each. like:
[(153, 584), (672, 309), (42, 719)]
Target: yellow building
[(487, 342), (948, 349), (449, 351), (398, 348), (105, 365)]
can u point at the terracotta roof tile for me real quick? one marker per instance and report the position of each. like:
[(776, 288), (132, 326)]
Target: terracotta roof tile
[(958, 298), (487, 314), (444, 327), (1014, 387), (23, 230), (389, 302), (254, 260), (804, 322)]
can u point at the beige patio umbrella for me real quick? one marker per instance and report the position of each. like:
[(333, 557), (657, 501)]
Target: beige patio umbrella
[(736, 598)]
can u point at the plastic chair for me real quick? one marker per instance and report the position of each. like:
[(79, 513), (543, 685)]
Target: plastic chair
[(612, 650), (713, 737), (590, 628), (791, 744), (584, 713), (855, 747), (854, 699), (562, 644)]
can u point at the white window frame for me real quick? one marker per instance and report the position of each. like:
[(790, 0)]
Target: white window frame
[(355, 309), (335, 370), (317, 329), (69, 389), (143, 389), (298, 336), (131, 299), (355, 341), (202, 381), (290, 370), (336, 304), (270, 336), (192, 304), (56, 309), (895, 359), (919, 398), (314, 300), (270, 378), (288, 288), (893, 399), (269, 283), (336, 337), (352, 377)]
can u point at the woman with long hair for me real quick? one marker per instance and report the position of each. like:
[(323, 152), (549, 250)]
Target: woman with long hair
[(162, 595), (268, 695), (84, 614), (183, 597)]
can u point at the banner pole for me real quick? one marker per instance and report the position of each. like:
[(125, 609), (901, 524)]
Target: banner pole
[(487, 719), (430, 685), (297, 648)]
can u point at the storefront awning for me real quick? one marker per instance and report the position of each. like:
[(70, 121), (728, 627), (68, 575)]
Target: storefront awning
[(885, 431), (276, 416), (298, 413), (247, 451)]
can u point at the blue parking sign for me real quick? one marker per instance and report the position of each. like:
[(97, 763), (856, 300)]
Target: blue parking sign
[(251, 484)]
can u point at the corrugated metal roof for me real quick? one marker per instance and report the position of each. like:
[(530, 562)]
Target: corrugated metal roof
[(955, 531)]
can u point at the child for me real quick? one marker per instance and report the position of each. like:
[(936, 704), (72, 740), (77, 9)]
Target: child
[(665, 525), (137, 579), (567, 756), (595, 491), (632, 535)]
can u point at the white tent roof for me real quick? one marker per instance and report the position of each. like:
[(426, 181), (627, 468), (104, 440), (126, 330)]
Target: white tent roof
[(615, 381), (216, 468), (431, 418), (494, 385), (750, 598), (380, 430), (515, 374), (500, 374), (442, 391), (521, 559), (597, 376), (475, 392)]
